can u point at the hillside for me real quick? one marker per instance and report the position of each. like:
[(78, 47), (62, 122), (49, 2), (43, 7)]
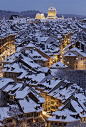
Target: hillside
[(32, 13)]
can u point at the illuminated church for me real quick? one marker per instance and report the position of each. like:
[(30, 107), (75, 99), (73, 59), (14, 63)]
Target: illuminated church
[(40, 16), (52, 13)]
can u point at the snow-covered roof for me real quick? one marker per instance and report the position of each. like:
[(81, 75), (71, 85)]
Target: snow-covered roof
[(23, 93), (30, 45), (8, 88), (4, 113), (51, 8), (79, 51), (44, 39), (66, 115), (28, 106), (58, 65), (70, 54), (76, 106), (5, 81), (37, 77)]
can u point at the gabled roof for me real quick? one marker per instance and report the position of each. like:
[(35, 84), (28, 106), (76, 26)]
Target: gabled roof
[(5, 81)]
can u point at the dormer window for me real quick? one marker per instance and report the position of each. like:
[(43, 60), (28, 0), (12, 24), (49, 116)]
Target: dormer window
[(8, 68), (39, 56), (57, 65), (57, 117), (12, 68), (82, 113), (63, 117)]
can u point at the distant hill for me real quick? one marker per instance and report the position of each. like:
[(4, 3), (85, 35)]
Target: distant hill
[(7, 14), (32, 13), (71, 16)]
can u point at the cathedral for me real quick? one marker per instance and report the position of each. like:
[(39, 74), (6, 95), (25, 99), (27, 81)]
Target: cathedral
[(52, 13), (40, 16)]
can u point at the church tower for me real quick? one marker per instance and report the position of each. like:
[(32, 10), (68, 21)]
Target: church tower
[(52, 13)]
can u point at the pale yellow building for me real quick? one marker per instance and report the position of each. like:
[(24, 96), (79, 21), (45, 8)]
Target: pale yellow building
[(52, 13), (40, 16)]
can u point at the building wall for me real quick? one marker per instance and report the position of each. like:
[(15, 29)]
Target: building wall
[(11, 75), (75, 62), (6, 42), (51, 104), (69, 61), (52, 13), (77, 123), (9, 123), (33, 117), (41, 63), (79, 61)]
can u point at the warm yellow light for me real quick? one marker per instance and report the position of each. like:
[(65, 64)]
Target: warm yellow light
[(13, 97), (34, 121), (76, 58), (68, 62)]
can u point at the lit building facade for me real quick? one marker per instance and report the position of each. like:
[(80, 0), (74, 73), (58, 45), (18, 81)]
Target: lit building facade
[(40, 16), (52, 13)]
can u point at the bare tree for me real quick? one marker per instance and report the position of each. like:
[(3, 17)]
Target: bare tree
[(14, 112)]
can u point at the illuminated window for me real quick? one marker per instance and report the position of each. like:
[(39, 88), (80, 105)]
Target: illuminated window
[(76, 58), (73, 46), (13, 97), (67, 62)]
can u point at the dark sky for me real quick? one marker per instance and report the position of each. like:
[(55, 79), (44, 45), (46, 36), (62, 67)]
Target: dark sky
[(62, 6)]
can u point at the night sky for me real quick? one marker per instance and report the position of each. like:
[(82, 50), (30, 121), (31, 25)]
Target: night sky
[(63, 6)]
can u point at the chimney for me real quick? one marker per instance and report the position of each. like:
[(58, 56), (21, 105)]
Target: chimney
[(24, 51), (31, 50), (57, 117), (12, 68), (77, 99), (63, 117), (22, 108), (8, 68), (49, 82)]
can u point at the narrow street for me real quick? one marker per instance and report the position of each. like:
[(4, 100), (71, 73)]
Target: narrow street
[(1, 74)]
